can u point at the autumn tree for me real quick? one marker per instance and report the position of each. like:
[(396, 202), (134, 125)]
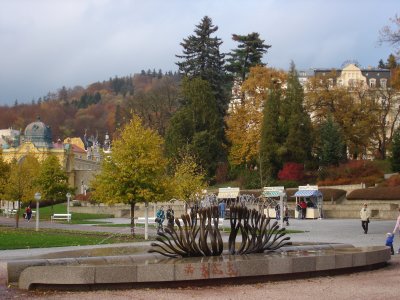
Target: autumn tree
[(155, 102), (387, 111), (4, 175), (244, 120), (189, 179), (135, 171), (391, 35), (52, 181), (351, 107), (20, 185)]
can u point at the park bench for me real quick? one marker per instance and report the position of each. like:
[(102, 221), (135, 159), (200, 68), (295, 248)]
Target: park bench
[(9, 212), (142, 220), (61, 217)]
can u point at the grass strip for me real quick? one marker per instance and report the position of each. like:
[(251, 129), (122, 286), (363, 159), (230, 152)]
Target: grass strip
[(25, 238)]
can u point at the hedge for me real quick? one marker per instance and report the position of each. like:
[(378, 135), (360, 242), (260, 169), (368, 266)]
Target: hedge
[(376, 193)]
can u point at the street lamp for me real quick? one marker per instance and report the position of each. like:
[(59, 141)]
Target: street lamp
[(37, 198), (68, 199)]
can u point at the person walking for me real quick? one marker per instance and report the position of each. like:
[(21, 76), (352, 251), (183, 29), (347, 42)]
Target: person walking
[(28, 212), (160, 217), (365, 214), (397, 227), (170, 217)]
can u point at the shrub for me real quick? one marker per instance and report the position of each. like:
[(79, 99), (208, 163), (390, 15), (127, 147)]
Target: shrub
[(392, 181), (291, 171), (355, 171), (378, 193)]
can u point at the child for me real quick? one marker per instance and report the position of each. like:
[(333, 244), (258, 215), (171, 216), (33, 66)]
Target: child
[(389, 241)]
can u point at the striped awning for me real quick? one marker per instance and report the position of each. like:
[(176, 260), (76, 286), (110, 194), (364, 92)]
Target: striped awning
[(307, 193), (270, 194)]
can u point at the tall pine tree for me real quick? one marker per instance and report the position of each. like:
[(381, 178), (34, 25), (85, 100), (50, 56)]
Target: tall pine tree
[(332, 147), (271, 138), (202, 58), (248, 54), (395, 159), (295, 122)]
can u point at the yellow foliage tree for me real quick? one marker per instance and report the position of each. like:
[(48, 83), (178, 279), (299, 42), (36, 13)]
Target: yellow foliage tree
[(244, 121), (135, 171), (20, 185), (189, 180)]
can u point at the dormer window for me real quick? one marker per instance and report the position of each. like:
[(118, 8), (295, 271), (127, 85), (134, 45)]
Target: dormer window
[(383, 83), (372, 83)]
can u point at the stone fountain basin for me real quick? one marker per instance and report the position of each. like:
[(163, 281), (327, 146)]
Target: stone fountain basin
[(132, 266)]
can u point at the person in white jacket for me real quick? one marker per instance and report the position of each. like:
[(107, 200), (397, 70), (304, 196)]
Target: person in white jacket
[(365, 214), (397, 227)]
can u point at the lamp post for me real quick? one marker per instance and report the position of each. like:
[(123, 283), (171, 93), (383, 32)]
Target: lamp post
[(37, 198), (68, 199)]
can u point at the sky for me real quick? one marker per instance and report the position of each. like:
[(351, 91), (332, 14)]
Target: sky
[(48, 44)]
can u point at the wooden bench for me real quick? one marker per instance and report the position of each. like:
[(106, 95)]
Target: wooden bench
[(61, 217)]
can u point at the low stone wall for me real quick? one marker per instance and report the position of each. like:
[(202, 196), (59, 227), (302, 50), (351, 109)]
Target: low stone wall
[(97, 271)]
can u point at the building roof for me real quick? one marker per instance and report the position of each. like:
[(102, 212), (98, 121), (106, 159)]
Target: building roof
[(39, 134)]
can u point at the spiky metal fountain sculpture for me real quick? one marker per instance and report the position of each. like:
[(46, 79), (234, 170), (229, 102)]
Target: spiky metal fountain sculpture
[(201, 236)]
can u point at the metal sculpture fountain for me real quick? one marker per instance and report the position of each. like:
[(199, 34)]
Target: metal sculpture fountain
[(200, 236)]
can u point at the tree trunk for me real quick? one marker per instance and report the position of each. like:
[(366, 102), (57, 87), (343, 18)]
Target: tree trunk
[(133, 218), (17, 214)]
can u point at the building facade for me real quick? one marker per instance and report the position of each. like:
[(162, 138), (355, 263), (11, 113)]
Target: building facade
[(81, 162)]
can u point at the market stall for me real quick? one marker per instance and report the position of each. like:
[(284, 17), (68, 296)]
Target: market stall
[(313, 199), (272, 195), (227, 197)]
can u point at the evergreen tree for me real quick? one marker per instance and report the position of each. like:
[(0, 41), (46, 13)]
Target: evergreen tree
[(248, 54), (391, 62), (395, 159), (198, 125), (381, 64), (332, 147), (295, 122), (202, 58), (270, 136)]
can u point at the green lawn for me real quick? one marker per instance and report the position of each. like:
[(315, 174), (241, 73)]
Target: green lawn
[(77, 218), (22, 238)]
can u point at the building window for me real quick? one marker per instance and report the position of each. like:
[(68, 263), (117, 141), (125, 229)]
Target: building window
[(383, 83), (330, 82), (339, 82), (372, 82)]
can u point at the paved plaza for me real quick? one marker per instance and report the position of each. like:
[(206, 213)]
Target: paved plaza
[(346, 231), (377, 284)]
